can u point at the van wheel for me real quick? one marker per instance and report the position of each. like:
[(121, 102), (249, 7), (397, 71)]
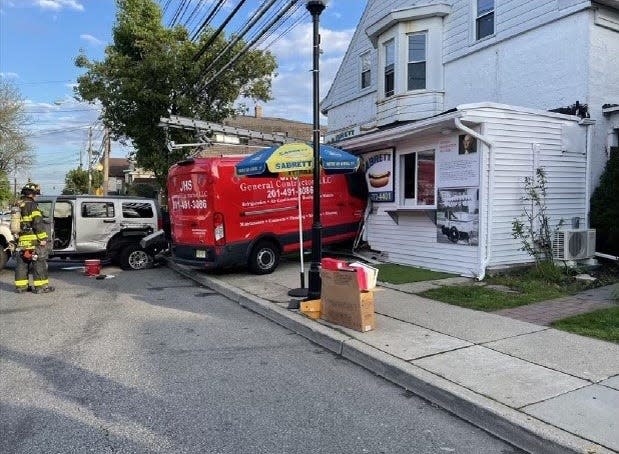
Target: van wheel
[(264, 258), (4, 257), (133, 257)]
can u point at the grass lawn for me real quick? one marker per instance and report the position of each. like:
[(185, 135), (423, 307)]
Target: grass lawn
[(527, 286), (487, 299), (401, 274), (602, 324)]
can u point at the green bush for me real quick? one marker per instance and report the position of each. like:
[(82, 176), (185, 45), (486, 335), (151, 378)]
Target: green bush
[(605, 208)]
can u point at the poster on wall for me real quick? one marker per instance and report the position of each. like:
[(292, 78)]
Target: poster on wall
[(458, 162), (379, 170), (457, 216), (457, 213)]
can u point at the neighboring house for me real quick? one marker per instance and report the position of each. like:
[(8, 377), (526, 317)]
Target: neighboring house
[(116, 175), (240, 143), (418, 77), (122, 174)]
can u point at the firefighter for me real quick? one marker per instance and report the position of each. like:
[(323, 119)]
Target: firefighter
[(31, 251)]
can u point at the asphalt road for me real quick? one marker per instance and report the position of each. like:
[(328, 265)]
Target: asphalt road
[(146, 361)]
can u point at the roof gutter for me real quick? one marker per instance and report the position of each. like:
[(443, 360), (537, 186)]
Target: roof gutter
[(485, 239), (358, 142)]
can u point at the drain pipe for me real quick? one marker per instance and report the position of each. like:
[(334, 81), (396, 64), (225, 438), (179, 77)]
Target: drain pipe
[(484, 256), (588, 123)]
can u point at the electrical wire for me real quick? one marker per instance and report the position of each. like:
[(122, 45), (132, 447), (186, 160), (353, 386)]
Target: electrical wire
[(214, 36), (238, 36), (233, 60), (208, 19)]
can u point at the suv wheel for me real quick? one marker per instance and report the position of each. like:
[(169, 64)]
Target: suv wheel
[(133, 257)]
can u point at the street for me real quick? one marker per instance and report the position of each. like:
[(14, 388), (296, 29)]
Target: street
[(146, 361)]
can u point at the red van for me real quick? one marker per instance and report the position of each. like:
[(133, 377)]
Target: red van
[(221, 220)]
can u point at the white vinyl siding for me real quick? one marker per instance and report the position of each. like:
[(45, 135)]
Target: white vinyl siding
[(522, 139), (516, 137)]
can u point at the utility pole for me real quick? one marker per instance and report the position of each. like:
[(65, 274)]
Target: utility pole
[(89, 160), (106, 161)]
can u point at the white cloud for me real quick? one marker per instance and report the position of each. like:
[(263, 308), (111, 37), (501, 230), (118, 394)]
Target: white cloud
[(91, 39), (9, 76), (298, 42), (292, 89), (57, 5)]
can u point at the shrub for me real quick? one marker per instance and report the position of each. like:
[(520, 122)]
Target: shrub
[(605, 208)]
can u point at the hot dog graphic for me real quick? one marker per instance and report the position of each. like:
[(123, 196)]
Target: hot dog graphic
[(378, 180)]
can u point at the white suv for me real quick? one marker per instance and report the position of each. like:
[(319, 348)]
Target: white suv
[(109, 227)]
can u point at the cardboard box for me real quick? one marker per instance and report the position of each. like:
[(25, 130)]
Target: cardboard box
[(311, 308), (343, 303)]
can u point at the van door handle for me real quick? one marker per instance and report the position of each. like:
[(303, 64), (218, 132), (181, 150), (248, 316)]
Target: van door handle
[(109, 221)]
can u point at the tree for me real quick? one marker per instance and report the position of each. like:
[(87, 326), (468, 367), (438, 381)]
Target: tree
[(148, 73), (15, 150), (76, 181), (6, 195)]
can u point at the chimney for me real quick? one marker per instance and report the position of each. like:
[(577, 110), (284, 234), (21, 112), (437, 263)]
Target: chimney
[(258, 111)]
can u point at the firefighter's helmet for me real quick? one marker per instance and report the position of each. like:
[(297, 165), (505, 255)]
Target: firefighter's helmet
[(31, 188)]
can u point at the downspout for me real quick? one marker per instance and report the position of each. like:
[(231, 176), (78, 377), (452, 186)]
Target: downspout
[(484, 257), (588, 124)]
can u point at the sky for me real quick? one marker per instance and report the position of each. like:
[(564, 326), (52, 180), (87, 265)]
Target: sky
[(39, 40)]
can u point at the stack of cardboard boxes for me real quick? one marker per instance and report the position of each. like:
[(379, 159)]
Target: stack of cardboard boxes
[(347, 296)]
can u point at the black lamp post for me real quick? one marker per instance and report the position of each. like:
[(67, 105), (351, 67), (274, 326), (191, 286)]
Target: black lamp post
[(315, 7)]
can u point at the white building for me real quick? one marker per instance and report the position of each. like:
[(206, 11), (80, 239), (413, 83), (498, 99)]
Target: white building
[(419, 75)]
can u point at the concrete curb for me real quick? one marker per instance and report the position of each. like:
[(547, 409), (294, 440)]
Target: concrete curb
[(517, 428)]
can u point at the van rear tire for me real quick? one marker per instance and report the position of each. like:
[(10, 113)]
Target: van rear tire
[(133, 257), (264, 258)]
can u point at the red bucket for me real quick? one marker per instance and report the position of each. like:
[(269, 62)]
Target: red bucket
[(92, 267)]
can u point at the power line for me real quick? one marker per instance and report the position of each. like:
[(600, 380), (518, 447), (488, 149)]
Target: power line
[(249, 45), (55, 131), (219, 30), (238, 36), (208, 19)]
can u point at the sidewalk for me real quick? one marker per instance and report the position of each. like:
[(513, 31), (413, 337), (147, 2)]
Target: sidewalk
[(543, 390)]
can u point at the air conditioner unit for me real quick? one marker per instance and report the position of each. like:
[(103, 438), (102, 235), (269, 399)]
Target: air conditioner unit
[(573, 244)]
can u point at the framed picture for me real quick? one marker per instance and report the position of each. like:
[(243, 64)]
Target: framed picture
[(467, 144)]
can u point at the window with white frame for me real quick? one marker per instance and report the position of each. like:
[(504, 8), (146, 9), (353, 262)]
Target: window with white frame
[(484, 23), (417, 61), (366, 70), (389, 52), (417, 179)]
